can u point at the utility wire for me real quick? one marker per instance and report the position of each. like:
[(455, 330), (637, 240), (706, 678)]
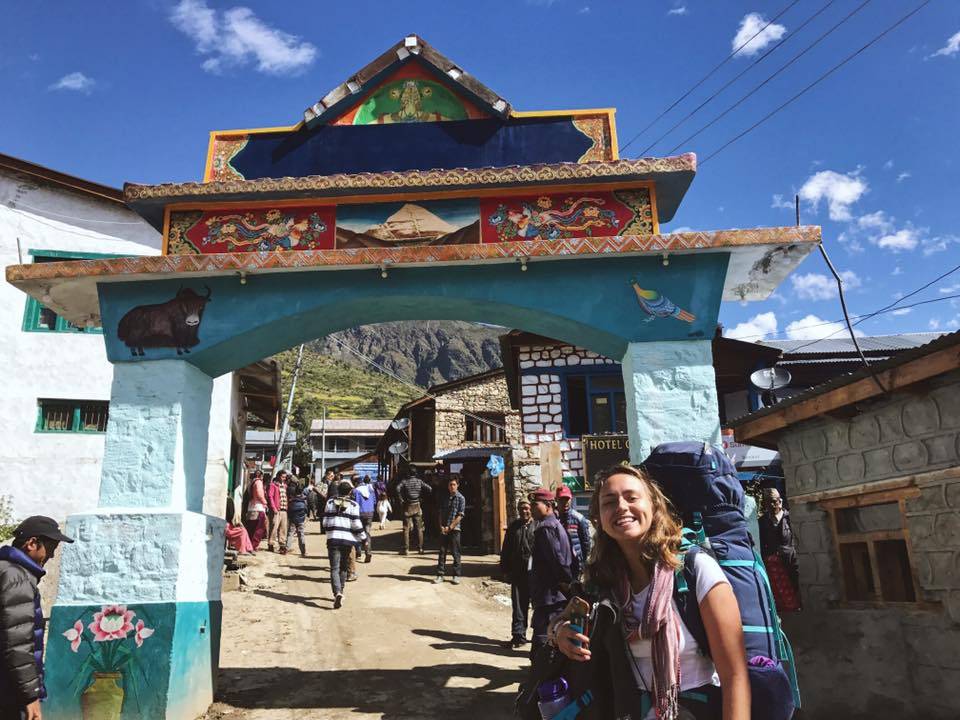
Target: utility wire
[(816, 82), (74, 217), (859, 318), (891, 306), (770, 77), (419, 389), (739, 75), (707, 76)]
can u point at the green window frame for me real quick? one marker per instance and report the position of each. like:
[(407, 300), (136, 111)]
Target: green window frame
[(39, 318), (72, 416)]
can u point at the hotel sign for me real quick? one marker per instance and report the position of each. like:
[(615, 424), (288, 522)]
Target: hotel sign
[(601, 452)]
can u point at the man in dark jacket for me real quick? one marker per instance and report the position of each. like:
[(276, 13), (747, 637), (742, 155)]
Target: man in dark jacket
[(515, 564), (551, 570), (297, 510), (21, 620), (411, 490)]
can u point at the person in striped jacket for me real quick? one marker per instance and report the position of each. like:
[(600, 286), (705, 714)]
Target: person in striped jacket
[(344, 529)]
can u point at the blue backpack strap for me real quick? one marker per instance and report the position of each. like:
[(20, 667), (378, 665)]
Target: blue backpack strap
[(685, 596)]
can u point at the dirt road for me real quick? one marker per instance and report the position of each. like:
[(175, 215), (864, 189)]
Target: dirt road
[(401, 647)]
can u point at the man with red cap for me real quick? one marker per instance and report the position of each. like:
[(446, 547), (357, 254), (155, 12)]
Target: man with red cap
[(577, 526), (550, 565)]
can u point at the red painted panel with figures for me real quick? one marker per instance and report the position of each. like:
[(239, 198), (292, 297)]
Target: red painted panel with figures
[(259, 230), (566, 215)]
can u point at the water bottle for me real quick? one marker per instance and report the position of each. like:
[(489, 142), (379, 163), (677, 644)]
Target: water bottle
[(554, 697)]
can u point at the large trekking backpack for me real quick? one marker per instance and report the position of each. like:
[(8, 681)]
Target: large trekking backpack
[(702, 484)]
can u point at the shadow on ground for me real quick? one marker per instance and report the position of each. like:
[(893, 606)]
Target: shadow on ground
[(420, 692), (475, 643)]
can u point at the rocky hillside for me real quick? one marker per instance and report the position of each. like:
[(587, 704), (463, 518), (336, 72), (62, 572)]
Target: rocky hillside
[(424, 353)]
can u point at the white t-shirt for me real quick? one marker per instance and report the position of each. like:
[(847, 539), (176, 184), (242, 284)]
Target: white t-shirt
[(695, 669)]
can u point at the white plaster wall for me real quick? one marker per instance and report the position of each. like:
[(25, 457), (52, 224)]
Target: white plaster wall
[(54, 474), (224, 407)]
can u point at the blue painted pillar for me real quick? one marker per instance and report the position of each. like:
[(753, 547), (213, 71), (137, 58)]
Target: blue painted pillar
[(671, 391), (135, 629)]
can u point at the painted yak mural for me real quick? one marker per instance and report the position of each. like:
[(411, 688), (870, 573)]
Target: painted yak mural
[(175, 323)]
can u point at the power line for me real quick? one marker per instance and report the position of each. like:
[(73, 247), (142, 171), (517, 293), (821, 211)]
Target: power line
[(816, 82), (860, 318), (381, 368), (739, 75), (707, 76), (770, 77), (74, 217)]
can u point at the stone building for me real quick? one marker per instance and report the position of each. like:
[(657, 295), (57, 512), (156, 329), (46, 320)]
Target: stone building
[(872, 466), (452, 431)]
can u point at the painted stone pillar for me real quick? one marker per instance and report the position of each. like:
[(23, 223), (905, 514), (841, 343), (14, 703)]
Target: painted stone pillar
[(671, 392), (135, 629)]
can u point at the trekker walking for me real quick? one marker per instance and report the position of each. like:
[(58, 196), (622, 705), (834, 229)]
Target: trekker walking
[(411, 490), (255, 520), (515, 566), (341, 519), (35, 542), (366, 498), (383, 502), (296, 517), (578, 529), (277, 502), (551, 568), (452, 508), (312, 496)]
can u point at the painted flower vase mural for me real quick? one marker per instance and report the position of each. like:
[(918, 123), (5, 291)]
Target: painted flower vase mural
[(110, 670)]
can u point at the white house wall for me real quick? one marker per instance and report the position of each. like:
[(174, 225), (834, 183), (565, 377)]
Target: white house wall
[(59, 473), (541, 404)]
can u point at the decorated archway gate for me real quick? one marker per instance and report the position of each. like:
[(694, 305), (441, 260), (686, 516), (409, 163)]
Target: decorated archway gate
[(410, 192)]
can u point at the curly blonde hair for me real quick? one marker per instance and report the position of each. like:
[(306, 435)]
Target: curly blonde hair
[(607, 565)]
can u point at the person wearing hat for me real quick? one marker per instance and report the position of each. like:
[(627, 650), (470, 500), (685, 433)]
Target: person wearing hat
[(514, 564), (35, 541), (551, 565), (577, 526)]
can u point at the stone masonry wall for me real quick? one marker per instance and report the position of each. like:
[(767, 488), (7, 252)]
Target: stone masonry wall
[(489, 396), (542, 408), (894, 662)]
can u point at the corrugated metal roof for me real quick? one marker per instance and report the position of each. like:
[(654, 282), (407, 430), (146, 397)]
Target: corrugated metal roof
[(269, 437), (346, 425), (939, 342), (841, 345)]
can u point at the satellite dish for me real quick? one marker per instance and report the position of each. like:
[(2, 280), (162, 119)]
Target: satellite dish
[(400, 423), (770, 378), (398, 448)]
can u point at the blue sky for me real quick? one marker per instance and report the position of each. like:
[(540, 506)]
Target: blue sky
[(116, 91)]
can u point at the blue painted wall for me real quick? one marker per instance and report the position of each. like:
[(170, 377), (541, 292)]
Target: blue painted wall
[(589, 303)]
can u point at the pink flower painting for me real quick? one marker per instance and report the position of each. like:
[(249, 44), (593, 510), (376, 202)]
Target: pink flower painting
[(75, 635), (113, 622), (143, 633)]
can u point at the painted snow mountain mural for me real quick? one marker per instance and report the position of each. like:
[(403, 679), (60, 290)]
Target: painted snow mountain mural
[(444, 222)]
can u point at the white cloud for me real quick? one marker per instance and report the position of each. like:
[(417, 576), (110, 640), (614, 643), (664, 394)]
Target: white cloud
[(934, 324), (938, 244), (778, 203), (950, 49), (76, 81), (888, 165), (904, 175), (812, 327), (878, 220), (756, 328), (904, 239), (813, 286), (838, 190), (236, 37), (902, 311), (751, 26), (679, 10), (682, 229), (948, 289), (585, 10), (897, 271)]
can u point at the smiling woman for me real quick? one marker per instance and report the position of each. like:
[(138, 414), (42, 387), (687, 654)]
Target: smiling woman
[(638, 630)]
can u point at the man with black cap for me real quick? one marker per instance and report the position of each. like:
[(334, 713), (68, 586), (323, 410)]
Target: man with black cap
[(35, 541)]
